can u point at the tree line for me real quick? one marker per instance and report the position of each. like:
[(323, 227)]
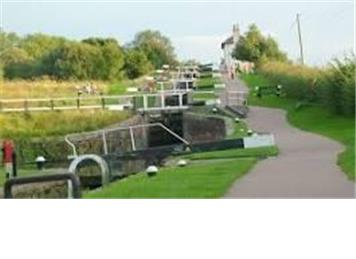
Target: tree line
[(37, 55)]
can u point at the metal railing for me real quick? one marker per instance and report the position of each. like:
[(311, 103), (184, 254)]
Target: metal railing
[(73, 183), (104, 132)]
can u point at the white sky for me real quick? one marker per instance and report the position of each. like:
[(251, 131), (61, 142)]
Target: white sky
[(196, 29)]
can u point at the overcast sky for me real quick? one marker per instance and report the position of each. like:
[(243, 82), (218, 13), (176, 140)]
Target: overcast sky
[(196, 29)]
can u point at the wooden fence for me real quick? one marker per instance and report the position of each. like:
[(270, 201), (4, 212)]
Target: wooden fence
[(143, 102)]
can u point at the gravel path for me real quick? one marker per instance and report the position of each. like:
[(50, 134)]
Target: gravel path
[(305, 168)]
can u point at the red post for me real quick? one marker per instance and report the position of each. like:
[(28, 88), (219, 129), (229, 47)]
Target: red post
[(7, 157)]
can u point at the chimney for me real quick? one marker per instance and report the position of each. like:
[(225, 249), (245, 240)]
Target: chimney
[(236, 32)]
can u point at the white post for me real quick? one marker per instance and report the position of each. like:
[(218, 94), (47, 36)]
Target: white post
[(162, 100), (180, 96), (144, 102), (69, 190), (104, 143), (132, 139)]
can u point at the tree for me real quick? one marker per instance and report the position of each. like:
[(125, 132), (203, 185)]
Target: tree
[(74, 60), (255, 47), (113, 57), (16, 63), (8, 40), (38, 45), (136, 63), (157, 48)]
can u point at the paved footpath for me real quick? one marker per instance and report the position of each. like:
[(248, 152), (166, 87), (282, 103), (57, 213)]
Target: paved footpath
[(305, 168)]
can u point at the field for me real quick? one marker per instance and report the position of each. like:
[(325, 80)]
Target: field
[(207, 175), (312, 118), (44, 88), (59, 123), (51, 89)]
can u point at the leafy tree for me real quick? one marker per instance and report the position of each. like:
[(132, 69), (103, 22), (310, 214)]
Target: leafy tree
[(157, 47), (8, 40), (74, 61), (136, 63), (113, 57), (37, 45), (255, 47), (16, 63)]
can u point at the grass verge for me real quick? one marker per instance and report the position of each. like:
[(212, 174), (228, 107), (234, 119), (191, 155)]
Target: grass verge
[(208, 176)]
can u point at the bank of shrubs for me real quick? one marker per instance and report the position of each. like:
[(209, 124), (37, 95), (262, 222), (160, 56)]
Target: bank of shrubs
[(332, 86)]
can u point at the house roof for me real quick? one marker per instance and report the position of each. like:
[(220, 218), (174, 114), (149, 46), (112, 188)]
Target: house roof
[(228, 41)]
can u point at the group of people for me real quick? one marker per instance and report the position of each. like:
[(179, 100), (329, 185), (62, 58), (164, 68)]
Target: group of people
[(89, 88)]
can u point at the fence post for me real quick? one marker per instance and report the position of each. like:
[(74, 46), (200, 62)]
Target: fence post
[(25, 105), (52, 104), (102, 101), (78, 102)]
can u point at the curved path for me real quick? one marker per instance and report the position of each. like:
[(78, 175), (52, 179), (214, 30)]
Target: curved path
[(305, 168)]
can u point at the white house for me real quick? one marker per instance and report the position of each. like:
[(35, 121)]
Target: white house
[(228, 46)]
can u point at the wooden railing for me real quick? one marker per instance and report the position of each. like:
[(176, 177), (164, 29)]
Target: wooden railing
[(146, 101)]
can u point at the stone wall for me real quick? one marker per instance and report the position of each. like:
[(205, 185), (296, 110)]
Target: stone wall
[(200, 128)]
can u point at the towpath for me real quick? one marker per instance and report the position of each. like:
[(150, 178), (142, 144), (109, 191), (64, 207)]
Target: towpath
[(305, 168)]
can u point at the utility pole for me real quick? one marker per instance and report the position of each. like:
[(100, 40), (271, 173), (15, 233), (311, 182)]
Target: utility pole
[(300, 40)]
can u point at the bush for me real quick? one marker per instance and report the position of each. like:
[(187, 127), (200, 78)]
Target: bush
[(339, 87), (332, 87)]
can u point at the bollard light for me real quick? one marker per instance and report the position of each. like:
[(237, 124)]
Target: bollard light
[(40, 161), (249, 132), (237, 119), (182, 163), (152, 171), (214, 110)]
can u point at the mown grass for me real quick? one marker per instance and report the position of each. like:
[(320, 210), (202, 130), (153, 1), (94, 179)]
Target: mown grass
[(240, 130), (207, 83), (312, 118), (234, 153), (203, 180), (203, 96), (207, 175)]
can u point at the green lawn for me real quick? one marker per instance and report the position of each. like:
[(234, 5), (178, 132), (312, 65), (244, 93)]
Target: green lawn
[(207, 83), (240, 130), (234, 153), (203, 96), (207, 175), (314, 119)]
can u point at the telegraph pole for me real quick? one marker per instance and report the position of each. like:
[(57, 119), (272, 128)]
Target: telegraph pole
[(300, 40)]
